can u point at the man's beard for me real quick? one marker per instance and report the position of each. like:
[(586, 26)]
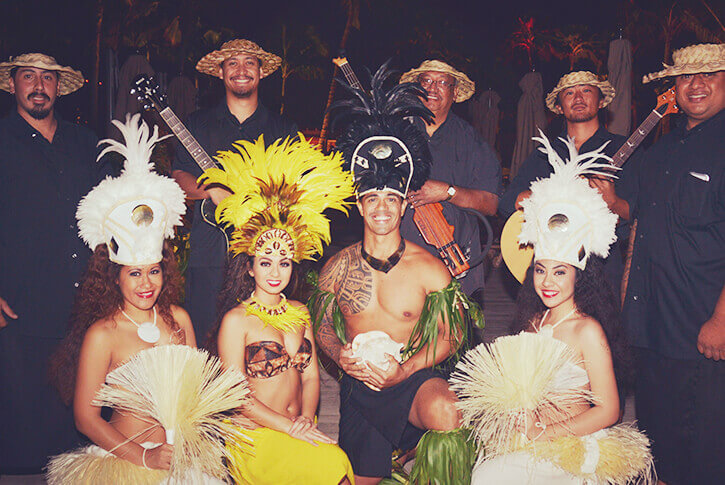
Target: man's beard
[(582, 118), (243, 93), (39, 113)]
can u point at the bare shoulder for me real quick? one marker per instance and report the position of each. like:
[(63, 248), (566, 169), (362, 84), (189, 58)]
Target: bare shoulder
[(589, 332), (101, 333), (236, 318), (334, 271), (429, 268), (180, 315)]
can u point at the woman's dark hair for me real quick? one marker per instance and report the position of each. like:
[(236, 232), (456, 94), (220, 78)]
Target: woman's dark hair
[(237, 286), (99, 297), (594, 297)]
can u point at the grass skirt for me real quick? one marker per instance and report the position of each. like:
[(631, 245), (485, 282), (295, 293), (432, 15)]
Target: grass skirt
[(92, 465)]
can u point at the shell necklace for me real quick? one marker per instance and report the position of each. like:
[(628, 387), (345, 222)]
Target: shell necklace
[(146, 331)]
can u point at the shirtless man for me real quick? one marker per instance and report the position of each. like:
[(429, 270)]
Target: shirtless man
[(383, 284)]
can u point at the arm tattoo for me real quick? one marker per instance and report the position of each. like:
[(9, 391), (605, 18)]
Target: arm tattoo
[(354, 288), (351, 282), (327, 338)]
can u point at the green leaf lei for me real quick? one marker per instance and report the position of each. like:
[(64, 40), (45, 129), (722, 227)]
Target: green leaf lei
[(450, 303)]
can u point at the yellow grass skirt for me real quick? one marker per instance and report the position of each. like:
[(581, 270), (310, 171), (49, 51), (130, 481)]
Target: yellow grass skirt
[(277, 458)]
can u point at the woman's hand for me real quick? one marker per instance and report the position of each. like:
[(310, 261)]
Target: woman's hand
[(159, 458), (530, 426), (304, 429)]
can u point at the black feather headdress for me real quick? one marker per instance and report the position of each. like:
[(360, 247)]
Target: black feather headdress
[(383, 149)]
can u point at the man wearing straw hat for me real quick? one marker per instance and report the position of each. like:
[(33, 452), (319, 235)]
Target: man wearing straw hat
[(466, 174), (48, 164), (240, 64), (674, 310), (578, 97)]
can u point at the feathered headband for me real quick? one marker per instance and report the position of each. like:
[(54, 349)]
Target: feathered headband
[(279, 196), (133, 213), (564, 218), (383, 149)]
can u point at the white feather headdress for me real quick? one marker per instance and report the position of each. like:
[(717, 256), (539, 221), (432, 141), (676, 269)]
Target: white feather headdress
[(564, 218), (133, 213)]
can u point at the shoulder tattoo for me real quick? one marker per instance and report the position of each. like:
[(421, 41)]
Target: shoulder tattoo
[(349, 279)]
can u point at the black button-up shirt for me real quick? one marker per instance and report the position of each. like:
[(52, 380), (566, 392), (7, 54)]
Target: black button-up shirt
[(537, 166), (216, 129), (461, 158), (678, 264), (41, 256)]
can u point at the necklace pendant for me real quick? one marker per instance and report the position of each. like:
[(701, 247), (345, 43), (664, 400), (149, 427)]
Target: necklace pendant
[(148, 332)]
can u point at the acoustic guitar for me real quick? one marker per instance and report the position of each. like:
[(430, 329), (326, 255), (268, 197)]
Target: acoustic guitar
[(518, 257), (429, 218), (149, 93)]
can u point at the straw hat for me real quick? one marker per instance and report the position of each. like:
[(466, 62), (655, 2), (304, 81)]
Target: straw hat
[(693, 59), (69, 79), (210, 63), (577, 78), (465, 86)]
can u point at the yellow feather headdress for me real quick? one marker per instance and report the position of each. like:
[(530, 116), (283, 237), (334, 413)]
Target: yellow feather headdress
[(279, 194)]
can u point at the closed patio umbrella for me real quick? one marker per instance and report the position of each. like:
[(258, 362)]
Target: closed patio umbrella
[(530, 117), (620, 76)]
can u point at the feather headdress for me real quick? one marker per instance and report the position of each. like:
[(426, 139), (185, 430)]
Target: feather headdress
[(564, 218), (134, 212), (279, 196), (383, 149)]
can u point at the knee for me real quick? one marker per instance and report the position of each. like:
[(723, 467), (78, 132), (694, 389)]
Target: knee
[(444, 412)]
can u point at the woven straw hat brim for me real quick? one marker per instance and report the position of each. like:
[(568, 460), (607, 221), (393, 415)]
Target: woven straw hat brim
[(694, 59), (577, 79), (465, 86), (69, 80), (210, 63), (685, 69)]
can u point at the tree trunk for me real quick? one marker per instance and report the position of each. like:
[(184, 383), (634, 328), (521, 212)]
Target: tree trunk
[(95, 74), (333, 83)]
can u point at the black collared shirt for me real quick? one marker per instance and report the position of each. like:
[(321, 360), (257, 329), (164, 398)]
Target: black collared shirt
[(461, 158), (216, 129), (678, 264), (537, 166), (41, 256)]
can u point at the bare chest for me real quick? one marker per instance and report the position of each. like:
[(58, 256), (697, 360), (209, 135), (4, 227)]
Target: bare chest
[(367, 294)]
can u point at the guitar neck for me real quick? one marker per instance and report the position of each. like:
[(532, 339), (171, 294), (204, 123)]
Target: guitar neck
[(199, 155), (636, 138), (350, 75)]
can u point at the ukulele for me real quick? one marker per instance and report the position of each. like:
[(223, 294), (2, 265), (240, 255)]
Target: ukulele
[(149, 93), (429, 218), (517, 257)]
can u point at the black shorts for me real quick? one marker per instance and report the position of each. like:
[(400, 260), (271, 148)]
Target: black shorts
[(373, 424), (680, 406)]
